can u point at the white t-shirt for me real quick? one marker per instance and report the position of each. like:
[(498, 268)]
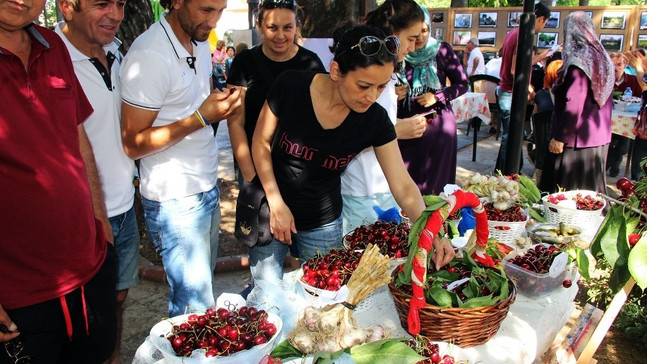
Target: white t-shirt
[(116, 170), (158, 74), (363, 175), (493, 68), (474, 54)]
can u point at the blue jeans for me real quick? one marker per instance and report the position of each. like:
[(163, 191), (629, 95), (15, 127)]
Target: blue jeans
[(505, 103), (126, 235), (185, 232), (266, 262)]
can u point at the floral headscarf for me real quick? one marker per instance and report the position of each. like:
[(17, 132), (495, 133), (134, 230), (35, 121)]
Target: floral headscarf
[(423, 62), (583, 50)]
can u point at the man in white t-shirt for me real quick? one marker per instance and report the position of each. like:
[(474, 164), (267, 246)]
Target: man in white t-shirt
[(168, 106), (96, 58), (475, 64)]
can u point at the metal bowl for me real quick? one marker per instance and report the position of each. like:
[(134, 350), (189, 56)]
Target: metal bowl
[(554, 233)]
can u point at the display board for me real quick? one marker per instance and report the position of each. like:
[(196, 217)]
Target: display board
[(620, 28)]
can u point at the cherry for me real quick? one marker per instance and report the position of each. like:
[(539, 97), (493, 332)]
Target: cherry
[(567, 283), (633, 239), (260, 339), (451, 269), (623, 183), (212, 352)]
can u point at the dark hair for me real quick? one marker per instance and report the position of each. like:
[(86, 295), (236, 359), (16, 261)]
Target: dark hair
[(542, 10), (295, 8), (347, 36), (394, 15)]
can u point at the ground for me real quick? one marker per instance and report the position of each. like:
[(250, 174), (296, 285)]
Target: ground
[(614, 349)]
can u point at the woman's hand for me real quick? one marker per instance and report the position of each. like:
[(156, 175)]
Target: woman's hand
[(427, 99), (443, 252), (556, 146), (401, 91), (282, 223), (411, 128)]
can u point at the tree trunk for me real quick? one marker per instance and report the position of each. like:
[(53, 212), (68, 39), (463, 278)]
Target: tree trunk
[(321, 17), (459, 3), (584, 2), (549, 3), (138, 17)]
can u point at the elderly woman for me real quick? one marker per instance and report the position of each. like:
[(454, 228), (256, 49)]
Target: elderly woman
[(581, 123)]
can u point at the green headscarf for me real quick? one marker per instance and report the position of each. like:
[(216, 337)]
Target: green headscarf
[(423, 62)]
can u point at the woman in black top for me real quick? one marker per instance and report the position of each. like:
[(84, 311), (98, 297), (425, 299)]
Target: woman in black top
[(310, 128), (256, 69)]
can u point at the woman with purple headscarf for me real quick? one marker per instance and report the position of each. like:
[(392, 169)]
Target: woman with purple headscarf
[(581, 122)]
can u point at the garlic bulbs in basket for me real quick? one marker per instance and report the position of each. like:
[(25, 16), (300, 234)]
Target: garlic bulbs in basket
[(500, 190)]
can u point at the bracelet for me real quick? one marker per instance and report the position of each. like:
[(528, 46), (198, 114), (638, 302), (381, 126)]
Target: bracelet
[(200, 118)]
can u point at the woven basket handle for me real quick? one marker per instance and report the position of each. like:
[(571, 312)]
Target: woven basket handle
[(457, 200)]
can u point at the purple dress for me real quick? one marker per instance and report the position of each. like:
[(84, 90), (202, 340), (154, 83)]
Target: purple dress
[(431, 159)]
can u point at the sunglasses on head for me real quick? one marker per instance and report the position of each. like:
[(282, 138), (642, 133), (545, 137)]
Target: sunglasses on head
[(283, 4), (370, 45)]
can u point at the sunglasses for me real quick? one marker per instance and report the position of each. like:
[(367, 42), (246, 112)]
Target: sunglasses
[(283, 4), (370, 45)]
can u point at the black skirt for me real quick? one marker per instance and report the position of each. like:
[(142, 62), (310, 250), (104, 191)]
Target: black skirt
[(576, 169)]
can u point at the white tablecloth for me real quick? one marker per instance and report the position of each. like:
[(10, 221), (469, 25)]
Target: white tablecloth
[(623, 122), (526, 333), (470, 105)]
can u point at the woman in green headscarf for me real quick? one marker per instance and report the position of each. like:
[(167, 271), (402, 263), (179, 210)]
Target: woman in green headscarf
[(431, 159)]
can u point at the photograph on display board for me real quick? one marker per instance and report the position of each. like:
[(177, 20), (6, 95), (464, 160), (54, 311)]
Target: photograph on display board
[(553, 22), (487, 20), (439, 33), (642, 41), (547, 40), (612, 42), (513, 19), (437, 17), (613, 20), (487, 39), (643, 20), (461, 37), (463, 21)]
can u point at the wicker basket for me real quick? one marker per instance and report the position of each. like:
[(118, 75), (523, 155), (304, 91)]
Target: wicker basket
[(465, 327), (559, 213), (505, 232)]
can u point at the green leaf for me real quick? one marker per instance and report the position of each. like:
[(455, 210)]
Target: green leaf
[(638, 262), (325, 357), (440, 296), (285, 350), (582, 261), (620, 274), (479, 302), (444, 275), (596, 243), (505, 291), (536, 214), (612, 239), (390, 351)]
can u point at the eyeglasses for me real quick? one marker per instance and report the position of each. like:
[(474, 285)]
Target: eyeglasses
[(370, 45), (283, 4), (14, 348)]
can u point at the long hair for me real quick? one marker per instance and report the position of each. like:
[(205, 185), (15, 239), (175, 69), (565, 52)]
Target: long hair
[(395, 15)]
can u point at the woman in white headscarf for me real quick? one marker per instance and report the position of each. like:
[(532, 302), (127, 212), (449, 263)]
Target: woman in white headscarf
[(581, 122)]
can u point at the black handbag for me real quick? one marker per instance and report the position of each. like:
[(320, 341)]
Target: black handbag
[(252, 215)]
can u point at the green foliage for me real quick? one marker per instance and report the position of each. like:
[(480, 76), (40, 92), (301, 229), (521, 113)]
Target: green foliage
[(48, 17), (633, 320), (599, 292)]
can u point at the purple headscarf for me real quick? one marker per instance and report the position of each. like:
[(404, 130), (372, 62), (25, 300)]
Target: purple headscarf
[(583, 50)]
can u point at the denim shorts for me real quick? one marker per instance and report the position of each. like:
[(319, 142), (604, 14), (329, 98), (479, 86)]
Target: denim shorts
[(126, 235), (185, 231), (43, 330), (266, 262)]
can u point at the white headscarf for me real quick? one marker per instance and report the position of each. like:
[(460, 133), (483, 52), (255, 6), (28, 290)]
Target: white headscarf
[(583, 49)]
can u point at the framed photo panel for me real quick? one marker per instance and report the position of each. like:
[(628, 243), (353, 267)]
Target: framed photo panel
[(513, 19), (643, 20), (462, 20), (613, 20), (642, 40), (439, 33), (487, 20), (547, 40), (487, 39), (438, 17), (553, 21), (612, 42), (461, 37)]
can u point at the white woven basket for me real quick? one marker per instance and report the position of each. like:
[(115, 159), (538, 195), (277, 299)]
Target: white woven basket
[(556, 213), (504, 231)]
